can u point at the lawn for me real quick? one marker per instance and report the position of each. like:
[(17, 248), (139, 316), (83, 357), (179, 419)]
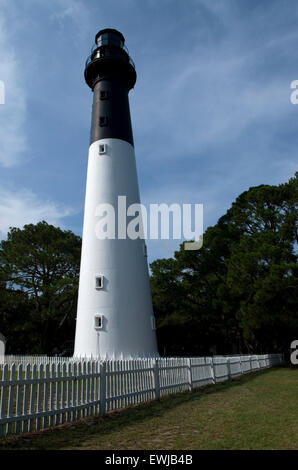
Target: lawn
[(257, 411)]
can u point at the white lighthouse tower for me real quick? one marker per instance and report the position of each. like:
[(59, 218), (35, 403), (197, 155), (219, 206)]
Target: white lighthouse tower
[(115, 318)]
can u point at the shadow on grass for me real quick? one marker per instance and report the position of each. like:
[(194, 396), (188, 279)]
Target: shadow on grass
[(74, 434)]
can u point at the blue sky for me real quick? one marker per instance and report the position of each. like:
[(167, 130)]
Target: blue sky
[(211, 109)]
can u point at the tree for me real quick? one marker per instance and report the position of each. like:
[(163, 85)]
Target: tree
[(262, 269), (240, 289), (39, 269)]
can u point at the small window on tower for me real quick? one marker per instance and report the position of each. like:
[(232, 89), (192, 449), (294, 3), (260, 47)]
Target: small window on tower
[(98, 282), (102, 148), (98, 321), (153, 324), (103, 121), (104, 95)]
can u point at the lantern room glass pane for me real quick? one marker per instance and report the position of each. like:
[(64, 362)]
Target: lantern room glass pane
[(106, 39)]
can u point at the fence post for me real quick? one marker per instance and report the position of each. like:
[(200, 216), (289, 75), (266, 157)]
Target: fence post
[(212, 371), (229, 368), (3, 409), (156, 379), (241, 368), (189, 373), (103, 368)]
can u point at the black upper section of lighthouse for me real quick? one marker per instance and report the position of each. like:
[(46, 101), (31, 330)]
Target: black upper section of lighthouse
[(110, 73)]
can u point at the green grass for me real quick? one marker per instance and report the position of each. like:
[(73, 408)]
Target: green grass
[(257, 411)]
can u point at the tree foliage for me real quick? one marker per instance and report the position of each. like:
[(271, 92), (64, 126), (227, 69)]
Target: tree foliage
[(39, 269), (239, 291)]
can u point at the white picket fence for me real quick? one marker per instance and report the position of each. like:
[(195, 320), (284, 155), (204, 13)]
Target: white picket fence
[(45, 392), (13, 359)]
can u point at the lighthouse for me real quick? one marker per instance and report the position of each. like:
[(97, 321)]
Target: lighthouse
[(115, 318)]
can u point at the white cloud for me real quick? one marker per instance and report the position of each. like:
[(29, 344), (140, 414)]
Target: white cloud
[(72, 10), (213, 100), (13, 139), (13, 114), (212, 95), (18, 208)]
